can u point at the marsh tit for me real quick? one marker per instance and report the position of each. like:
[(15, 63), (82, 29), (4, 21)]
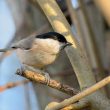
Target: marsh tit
[(39, 51)]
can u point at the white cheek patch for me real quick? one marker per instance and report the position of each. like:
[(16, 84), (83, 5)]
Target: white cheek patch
[(35, 45), (53, 44)]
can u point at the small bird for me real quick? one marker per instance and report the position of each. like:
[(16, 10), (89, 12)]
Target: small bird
[(38, 51)]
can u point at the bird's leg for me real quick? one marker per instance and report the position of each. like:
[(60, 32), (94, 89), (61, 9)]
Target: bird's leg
[(47, 77), (41, 71), (21, 70)]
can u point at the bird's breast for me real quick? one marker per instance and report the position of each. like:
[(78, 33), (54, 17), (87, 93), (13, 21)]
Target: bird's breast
[(37, 59)]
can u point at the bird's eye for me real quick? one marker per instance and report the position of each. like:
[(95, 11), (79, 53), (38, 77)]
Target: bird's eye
[(14, 47), (26, 48), (56, 38)]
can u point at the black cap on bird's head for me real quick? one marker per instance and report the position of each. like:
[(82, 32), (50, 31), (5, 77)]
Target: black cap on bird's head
[(55, 36)]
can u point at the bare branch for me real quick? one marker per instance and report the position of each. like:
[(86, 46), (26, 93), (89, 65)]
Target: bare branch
[(39, 78), (12, 84), (82, 94), (77, 106)]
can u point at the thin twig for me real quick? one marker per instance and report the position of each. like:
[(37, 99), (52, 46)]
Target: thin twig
[(77, 106), (39, 78), (81, 95), (12, 84)]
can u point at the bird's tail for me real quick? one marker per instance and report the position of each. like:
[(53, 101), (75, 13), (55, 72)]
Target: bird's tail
[(5, 50)]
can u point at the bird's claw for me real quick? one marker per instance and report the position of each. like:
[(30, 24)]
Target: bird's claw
[(24, 67), (20, 71), (47, 78)]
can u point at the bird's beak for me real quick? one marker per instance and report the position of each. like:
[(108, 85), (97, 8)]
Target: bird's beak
[(65, 45), (68, 44)]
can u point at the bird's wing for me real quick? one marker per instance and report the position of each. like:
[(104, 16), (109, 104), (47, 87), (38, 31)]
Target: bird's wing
[(24, 43)]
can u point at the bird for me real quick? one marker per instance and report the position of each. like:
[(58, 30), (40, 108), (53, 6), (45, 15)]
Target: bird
[(39, 51)]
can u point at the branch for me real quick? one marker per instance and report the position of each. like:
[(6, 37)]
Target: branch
[(12, 84), (39, 78), (77, 106), (81, 95)]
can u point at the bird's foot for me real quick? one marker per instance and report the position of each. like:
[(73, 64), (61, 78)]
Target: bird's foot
[(20, 71), (47, 78)]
